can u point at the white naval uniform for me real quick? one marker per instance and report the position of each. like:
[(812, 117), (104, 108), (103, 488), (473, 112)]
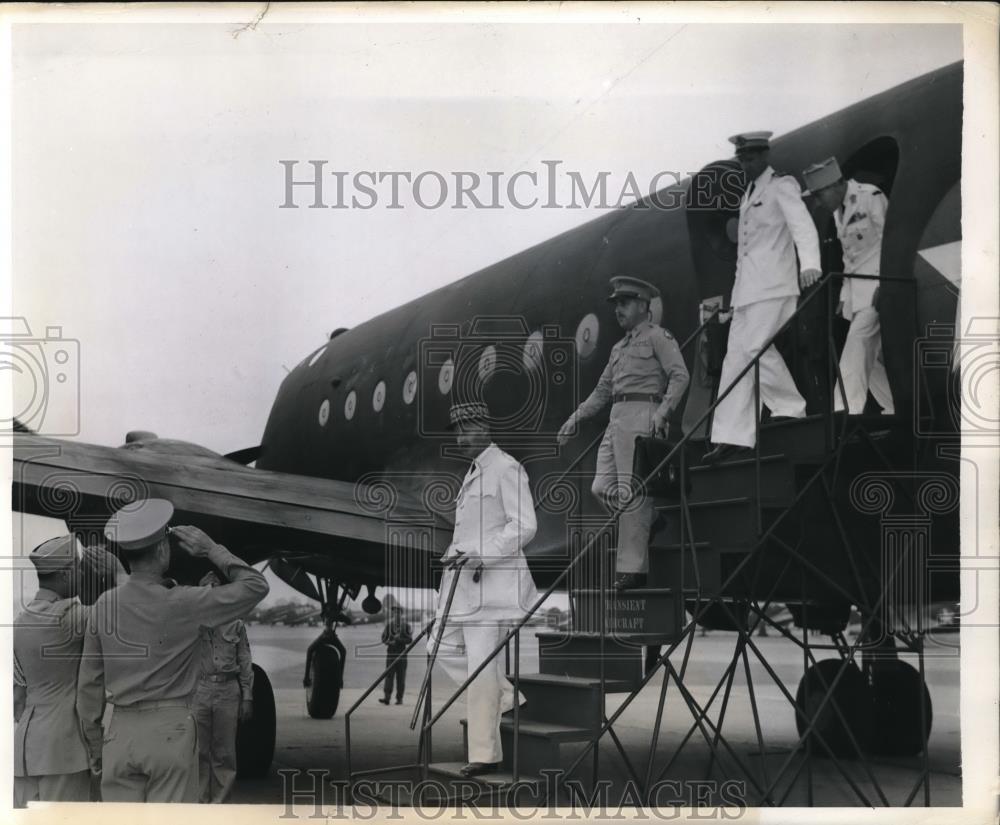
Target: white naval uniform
[(774, 225), (494, 519), (860, 223)]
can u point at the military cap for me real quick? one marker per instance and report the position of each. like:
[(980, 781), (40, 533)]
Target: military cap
[(470, 411), (625, 286), (54, 555), (821, 175), (140, 525), (751, 141)]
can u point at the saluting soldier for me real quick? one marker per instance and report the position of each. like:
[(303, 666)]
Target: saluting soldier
[(223, 698), (147, 660), (774, 225), (644, 380), (50, 757), (859, 214)]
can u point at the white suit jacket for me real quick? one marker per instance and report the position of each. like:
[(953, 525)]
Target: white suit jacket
[(860, 223), (774, 223), (494, 520)]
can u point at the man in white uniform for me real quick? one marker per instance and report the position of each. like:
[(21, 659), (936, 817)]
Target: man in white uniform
[(859, 213), (774, 225), (494, 520)]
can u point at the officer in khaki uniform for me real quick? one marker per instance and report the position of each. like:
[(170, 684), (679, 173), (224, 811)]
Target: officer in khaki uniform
[(50, 758), (859, 214), (774, 226), (223, 698), (142, 646), (644, 380)]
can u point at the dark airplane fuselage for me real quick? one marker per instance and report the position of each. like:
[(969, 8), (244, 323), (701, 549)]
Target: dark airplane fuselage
[(349, 410)]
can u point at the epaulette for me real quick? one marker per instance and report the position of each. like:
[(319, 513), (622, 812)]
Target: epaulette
[(667, 333)]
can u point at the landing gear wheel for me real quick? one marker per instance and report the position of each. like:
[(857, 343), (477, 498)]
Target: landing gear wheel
[(853, 701), (255, 737), (895, 691), (323, 693)]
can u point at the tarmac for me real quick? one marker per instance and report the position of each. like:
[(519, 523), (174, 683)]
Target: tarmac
[(381, 736)]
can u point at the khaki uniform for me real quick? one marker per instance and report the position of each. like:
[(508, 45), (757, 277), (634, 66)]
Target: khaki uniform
[(142, 647), (50, 757), (774, 225), (494, 520), (226, 682), (860, 223), (646, 362)]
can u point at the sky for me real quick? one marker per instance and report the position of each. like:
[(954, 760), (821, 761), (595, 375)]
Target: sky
[(147, 183)]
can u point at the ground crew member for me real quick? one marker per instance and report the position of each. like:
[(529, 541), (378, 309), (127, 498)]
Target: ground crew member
[(147, 658), (859, 214), (645, 380), (223, 698), (50, 757), (396, 636), (494, 520), (774, 225)]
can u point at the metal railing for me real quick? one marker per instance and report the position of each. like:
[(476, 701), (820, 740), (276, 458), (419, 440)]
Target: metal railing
[(823, 285)]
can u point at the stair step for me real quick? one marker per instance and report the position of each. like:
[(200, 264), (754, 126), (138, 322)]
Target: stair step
[(575, 653), (730, 479), (494, 781), (728, 522), (552, 731), (569, 700), (654, 612), (673, 565), (538, 743)]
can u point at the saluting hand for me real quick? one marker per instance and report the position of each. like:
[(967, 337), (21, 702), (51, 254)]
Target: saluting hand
[(192, 541), (809, 277)]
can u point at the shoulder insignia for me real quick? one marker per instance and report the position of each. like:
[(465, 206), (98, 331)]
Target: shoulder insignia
[(666, 334)]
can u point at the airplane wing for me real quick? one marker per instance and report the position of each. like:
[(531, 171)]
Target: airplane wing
[(330, 527)]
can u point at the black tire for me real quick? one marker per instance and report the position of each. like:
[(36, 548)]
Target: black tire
[(255, 738), (853, 701), (323, 694), (896, 688)]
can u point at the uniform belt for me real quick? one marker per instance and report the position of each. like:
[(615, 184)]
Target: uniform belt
[(219, 677), (655, 398), (153, 704)]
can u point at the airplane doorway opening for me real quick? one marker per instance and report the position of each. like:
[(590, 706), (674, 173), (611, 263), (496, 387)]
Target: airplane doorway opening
[(874, 163)]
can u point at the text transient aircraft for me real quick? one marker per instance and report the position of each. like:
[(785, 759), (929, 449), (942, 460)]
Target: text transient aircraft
[(354, 477)]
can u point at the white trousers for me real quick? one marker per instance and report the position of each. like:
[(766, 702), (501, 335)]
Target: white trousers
[(463, 648), (613, 473), (752, 327), (862, 367)]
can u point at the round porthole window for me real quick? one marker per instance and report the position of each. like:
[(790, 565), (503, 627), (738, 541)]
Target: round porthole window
[(378, 397), (350, 405), (446, 376), (324, 412), (586, 335), (410, 388), (656, 309), (533, 351), (487, 363)]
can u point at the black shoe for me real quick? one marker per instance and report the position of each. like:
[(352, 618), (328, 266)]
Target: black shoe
[(398, 702), (384, 701), (724, 451), (479, 768), (509, 714), (630, 581), (652, 658)]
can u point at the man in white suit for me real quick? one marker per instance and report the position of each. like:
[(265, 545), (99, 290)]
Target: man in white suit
[(859, 214), (494, 520), (774, 225)]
